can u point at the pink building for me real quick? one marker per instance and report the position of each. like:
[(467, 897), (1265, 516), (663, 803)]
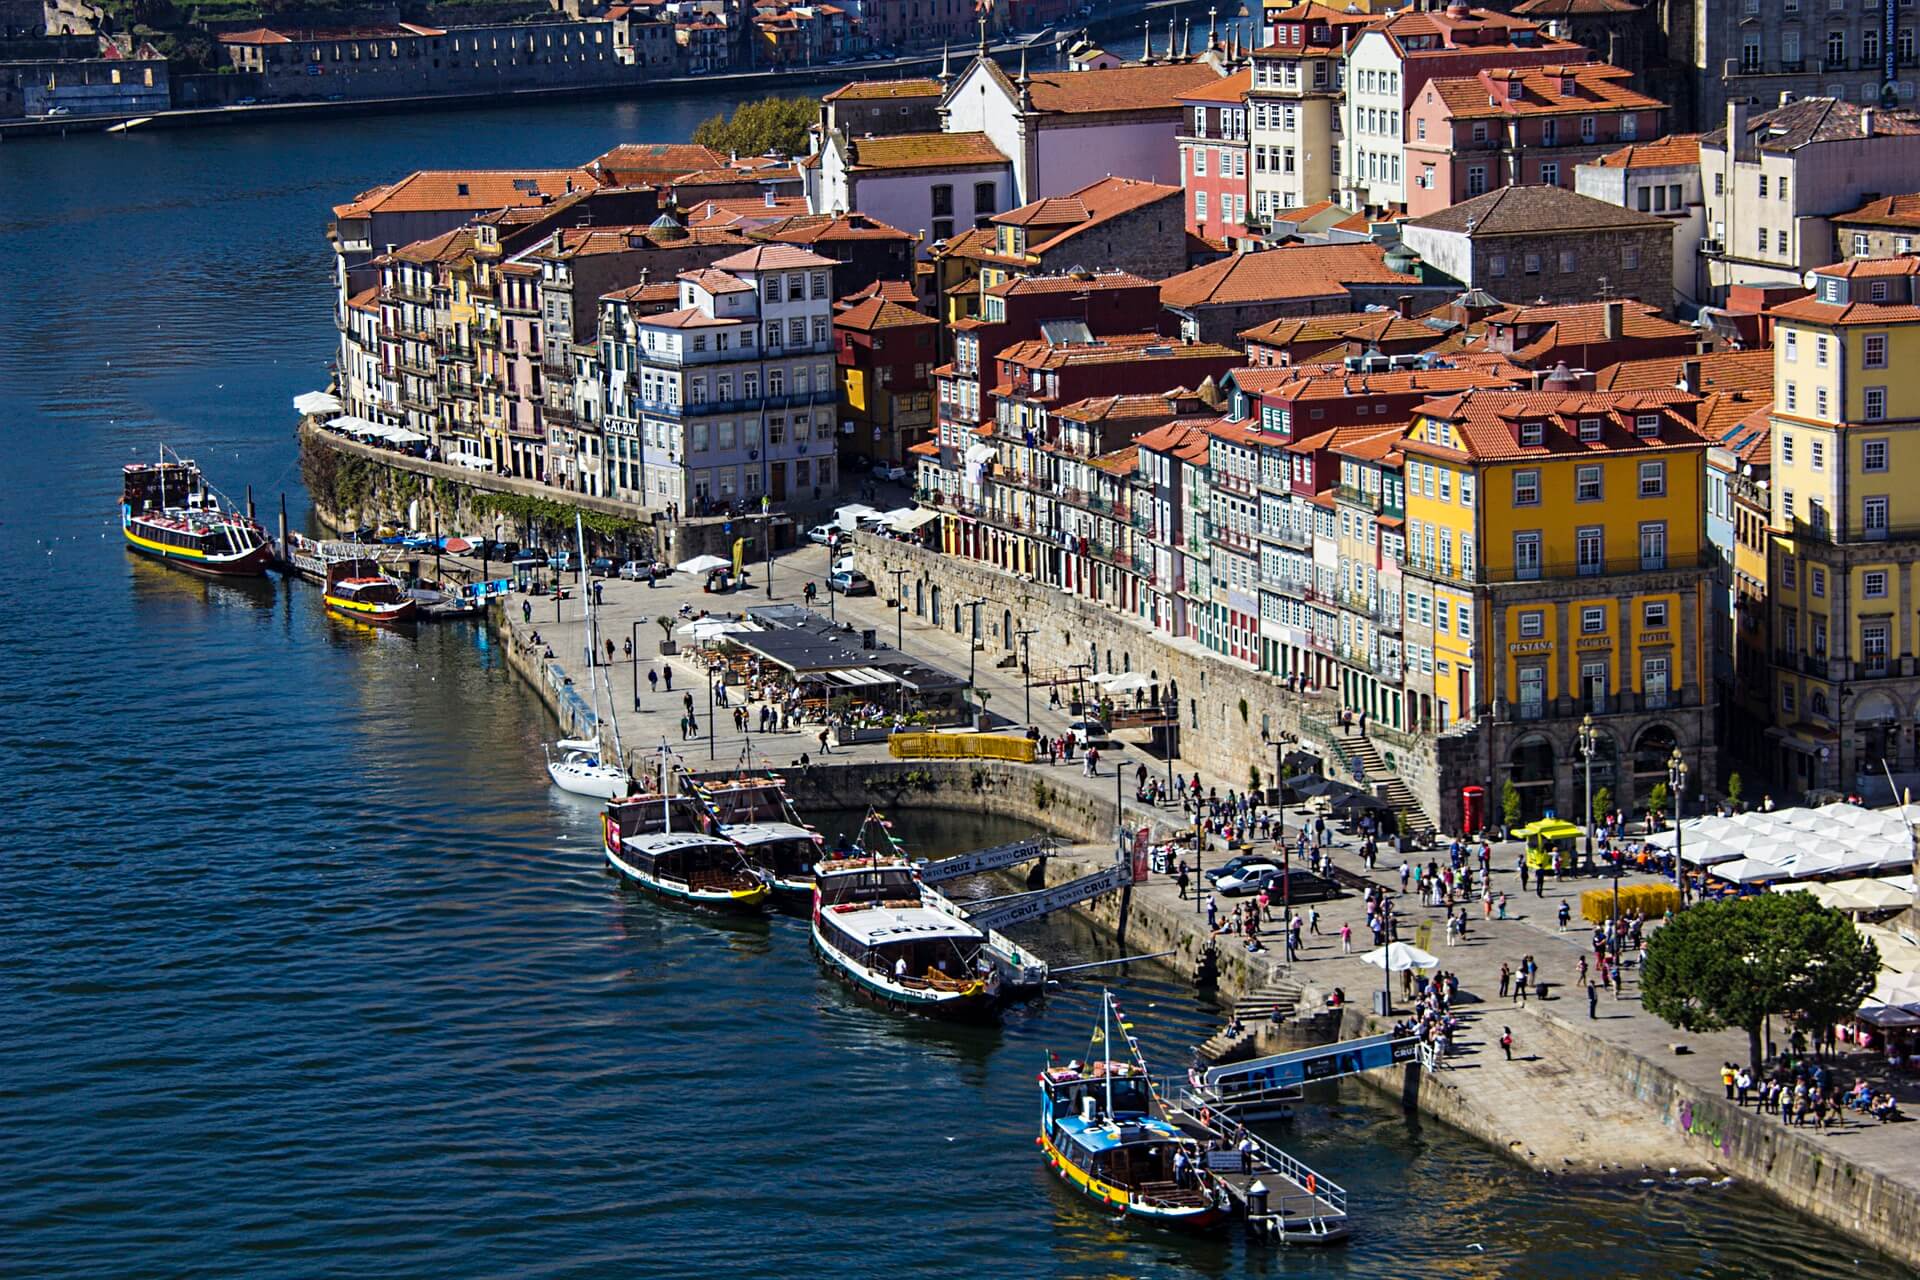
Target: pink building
[(1519, 126), (1213, 156), (522, 395)]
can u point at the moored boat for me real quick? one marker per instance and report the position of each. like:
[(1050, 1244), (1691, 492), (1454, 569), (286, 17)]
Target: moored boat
[(755, 813), (167, 511), (873, 927), (357, 589), (647, 845), (576, 765), (1103, 1130)]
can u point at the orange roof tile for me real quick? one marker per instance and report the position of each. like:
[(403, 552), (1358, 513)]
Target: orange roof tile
[(1229, 89), (1292, 271), (448, 246), (1487, 423), (878, 313), (633, 162), (883, 90), (926, 151), (474, 190), (687, 318), (1677, 150), (715, 281), (1125, 89), (773, 257), (1884, 211), (1090, 206), (1719, 371), (1541, 91)]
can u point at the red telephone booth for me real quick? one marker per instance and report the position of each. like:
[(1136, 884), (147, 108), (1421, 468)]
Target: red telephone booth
[(1473, 807)]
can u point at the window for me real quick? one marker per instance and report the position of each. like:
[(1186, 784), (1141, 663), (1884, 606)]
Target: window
[(1497, 264), (1590, 430), (1653, 682), (1630, 258), (1653, 545), (1646, 425), (942, 194), (1589, 552), (1533, 624), (1586, 484), (1793, 398), (1550, 177), (1873, 351), (1820, 350), (1873, 455), (1532, 264), (984, 197), (1820, 402), (1653, 615), (1567, 260), (1859, 244), (1875, 399), (1780, 241), (1819, 455), (1526, 488), (1653, 479), (1817, 583), (1477, 175), (1873, 584), (1593, 620), (1199, 206), (1199, 162), (1526, 556), (1763, 186), (1791, 346), (1873, 518), (1786, 449)]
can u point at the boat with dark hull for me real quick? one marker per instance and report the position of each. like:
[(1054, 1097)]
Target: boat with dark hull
[(667, 845), (168, 512), (754, 812)]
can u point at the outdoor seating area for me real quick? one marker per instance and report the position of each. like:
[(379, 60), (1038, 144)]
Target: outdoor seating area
[(1763, 848)]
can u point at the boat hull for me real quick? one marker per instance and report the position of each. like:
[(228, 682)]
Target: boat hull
[(1176, 1217), (599, 784), (251, 564), (749, 900), (380, 615), (948, 1005)]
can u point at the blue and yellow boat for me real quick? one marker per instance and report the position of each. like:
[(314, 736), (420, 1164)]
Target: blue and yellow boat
[(1102, 1129)]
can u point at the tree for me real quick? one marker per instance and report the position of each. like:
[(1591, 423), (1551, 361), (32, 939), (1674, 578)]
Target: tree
[(1510, 803), (756, 128), (1253, 777), (1602, 804), (1734, 789), (1734, 962), (1657, 797)]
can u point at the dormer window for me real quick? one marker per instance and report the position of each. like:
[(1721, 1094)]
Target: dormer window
[(1829, 289), (1533, 433), (1879, 290), (1647, 425), (1589, 430)]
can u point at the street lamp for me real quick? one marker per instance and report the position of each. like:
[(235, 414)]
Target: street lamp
[(1588, 738), (1026, 670), (634, 640), (709, 713), (1677, 781), (973, 641)]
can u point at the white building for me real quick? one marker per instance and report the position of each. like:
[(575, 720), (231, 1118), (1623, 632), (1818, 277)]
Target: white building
[(1660, 177), (929, 184)]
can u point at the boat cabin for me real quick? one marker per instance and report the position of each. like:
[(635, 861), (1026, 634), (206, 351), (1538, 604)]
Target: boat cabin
[(703, 864), (645, 815), (746, 800), (786, 850), (162, 486)]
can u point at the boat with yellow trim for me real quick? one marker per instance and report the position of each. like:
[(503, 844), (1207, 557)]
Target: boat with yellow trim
[(168, 512), (689, 864), (357, 589), (755, 812), (1104, 1131), (874, 927)]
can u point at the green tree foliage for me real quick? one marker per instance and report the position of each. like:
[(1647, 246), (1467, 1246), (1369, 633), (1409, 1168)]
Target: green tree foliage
[(1734, 962), (1736, 786), (1659, 795), (1510, 803), (755, 128), (1602, 803)]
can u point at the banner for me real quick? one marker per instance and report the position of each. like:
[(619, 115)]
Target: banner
[(739, 555)]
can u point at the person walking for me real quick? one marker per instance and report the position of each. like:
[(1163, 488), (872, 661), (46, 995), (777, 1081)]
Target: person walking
[(1564, 914), (1593, 1000), (1506, 1042), (1213, 914), (669, 671), (1506, 979), (1346, 938), (1180, 878), (825, 748), (526, 611), (653, 680)]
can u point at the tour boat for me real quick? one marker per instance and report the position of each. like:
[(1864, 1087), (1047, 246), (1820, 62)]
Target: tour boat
[(755, 813), (357, 589), (168, 512), (686, 864), (874, 927), (1102, 1129)]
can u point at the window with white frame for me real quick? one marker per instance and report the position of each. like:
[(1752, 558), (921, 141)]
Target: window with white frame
[(1526, 488), (1653, 479)]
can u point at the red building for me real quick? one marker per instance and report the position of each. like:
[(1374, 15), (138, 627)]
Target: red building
[(1213, 157), (886, 354)]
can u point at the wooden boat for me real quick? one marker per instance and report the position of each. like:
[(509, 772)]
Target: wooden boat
[(873, 927), (688, 864), (1103, 1130), (755, 813), (168, 512), (357, 589)]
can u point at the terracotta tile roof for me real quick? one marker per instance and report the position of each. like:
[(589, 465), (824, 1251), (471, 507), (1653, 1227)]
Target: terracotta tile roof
[(1228, 89), (297, 35), (1183, 440), (1305, 211), (1487, 423), (1334, 382), (974, 242), (657, 162), (365, 300), (1884, 211), (883, 90), (926, 449), (1292, 271), (588, 242), (1114, 408), (892, 290), (687, 318), (1019, 286), (474, 190), (1356, 221), (821, 228), (715, 281), (1723, 411), (1750, 439), (1131, 348), (1126, 89), (1121, 462), (1470, 35), (1381, 446), (773, 257), (1847, 313), (1676, 150), (1719, 371), (1053, 211), (746, 210), (878, 313), (1854, 268), (1808, 121), (448, 246), (646, 294), (1518, 211), (926, 151), (1367, 326), (1579, 324), (1596, 87)]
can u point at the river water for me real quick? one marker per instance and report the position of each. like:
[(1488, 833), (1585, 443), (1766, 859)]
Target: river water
[(305, 971)]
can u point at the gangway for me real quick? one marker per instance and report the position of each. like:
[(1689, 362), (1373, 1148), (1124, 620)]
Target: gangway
[(1280, 1198), (1302, 1066), (1019, 908), (998, 858)]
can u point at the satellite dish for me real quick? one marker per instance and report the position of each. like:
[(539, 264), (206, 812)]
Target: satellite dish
[(1806, 278)]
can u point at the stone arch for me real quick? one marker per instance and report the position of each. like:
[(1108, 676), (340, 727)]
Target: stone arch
[(1651, 751), (934, 596), (1006, 628), (1531, 767), (920, 599), (1875, 707)]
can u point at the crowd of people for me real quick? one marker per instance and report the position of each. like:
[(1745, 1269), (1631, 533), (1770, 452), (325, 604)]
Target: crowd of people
[(1805, 1093)]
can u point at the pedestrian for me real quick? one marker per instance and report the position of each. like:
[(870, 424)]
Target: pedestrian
[(526, 611), (1313, 920), (1265, 910), (1346, 938), (1727, 1078), (825, 750), (1506, 978), (628, 646), (1213, 914), (1523, 873), (1593, 1000), (1181, 880), (653, 680), (669, 671), (1566, 913), (1406, 872), (1741, 1083)]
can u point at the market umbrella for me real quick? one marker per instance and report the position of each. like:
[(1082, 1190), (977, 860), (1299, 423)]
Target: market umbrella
[(1131, 682), (1398, 956), (316, 402), (703, 564), (1359, 802)]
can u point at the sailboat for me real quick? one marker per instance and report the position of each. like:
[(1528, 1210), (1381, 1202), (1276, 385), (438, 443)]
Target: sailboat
[(1104, 1130), (685, 865), (577, 764)]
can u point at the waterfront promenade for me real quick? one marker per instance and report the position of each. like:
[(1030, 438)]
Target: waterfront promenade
[(1606, 1096)]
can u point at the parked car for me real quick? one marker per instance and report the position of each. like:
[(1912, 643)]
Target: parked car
[(891, 473), (491, 549), (1086, 731), (842, 565), (824, 534), (530, 558), (1245, 878), (1302, 885), (601, 567), (1237, 864), (850, 584), (634, 571), (564, 562)]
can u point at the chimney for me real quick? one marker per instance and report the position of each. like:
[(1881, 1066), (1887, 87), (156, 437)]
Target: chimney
[(1786, 97), (1866, 122), (1404, 305), (1561, 379), (1613, 320), (1690, 376), (1737, 147)]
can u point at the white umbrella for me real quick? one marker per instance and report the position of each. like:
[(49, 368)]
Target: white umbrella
[(702, 564), (1131, 682), (1396, 957), (316, 402), (1749, 871)]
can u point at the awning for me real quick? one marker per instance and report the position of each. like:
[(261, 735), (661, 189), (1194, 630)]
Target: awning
[(317, 402), (351, 425), (856, 677), (977, 453), (404, 435), (915, 519)]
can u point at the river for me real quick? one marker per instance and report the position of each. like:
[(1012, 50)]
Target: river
[(305, 971)]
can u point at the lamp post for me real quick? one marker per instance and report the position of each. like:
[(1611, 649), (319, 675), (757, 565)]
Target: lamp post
[(899, 609), (1026, 670), (1677, 782), (1171, 727), (634, 640), (1587, 737), (766, 520), (709, 713), (973, 639)]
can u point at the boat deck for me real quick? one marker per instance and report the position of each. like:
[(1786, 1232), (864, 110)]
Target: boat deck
[(1301, 1207)]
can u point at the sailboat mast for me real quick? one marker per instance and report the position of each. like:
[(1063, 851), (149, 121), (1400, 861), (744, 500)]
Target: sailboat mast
[(1106, 1039), (666, 799)]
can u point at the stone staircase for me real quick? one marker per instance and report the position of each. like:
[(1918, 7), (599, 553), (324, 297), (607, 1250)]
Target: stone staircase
[(1274, 1001), (1360, 750)]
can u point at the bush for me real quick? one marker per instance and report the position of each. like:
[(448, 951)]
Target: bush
[(1650, 900), (1602, 803), (1735, 787), (1659, 796), (755, 128), (1510, 803)]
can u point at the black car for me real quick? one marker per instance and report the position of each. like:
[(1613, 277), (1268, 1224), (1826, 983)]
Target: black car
[(1303, 886), (530, 558), (601, 567), (493, 549)]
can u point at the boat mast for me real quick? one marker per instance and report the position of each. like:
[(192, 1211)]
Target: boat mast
[(666, 799), (1106, 1039)]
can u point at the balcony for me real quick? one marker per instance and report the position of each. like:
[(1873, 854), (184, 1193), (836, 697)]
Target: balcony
[(1806, 664), (1367, 498), (401, 293)]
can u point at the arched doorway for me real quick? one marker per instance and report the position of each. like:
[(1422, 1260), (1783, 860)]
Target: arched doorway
[(1605, 769), (1876, 734), (1530, 768), (1006, 628), (919, 599), (957, 610), (1652, 751)]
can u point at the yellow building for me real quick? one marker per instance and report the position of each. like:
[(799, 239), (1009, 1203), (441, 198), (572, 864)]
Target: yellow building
[(1845, 529), (1559, 539)]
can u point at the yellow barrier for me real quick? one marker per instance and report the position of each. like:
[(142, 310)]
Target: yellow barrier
[(960, 746), (1651, 900)]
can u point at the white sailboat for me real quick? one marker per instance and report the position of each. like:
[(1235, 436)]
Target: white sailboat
[(578, 765)]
